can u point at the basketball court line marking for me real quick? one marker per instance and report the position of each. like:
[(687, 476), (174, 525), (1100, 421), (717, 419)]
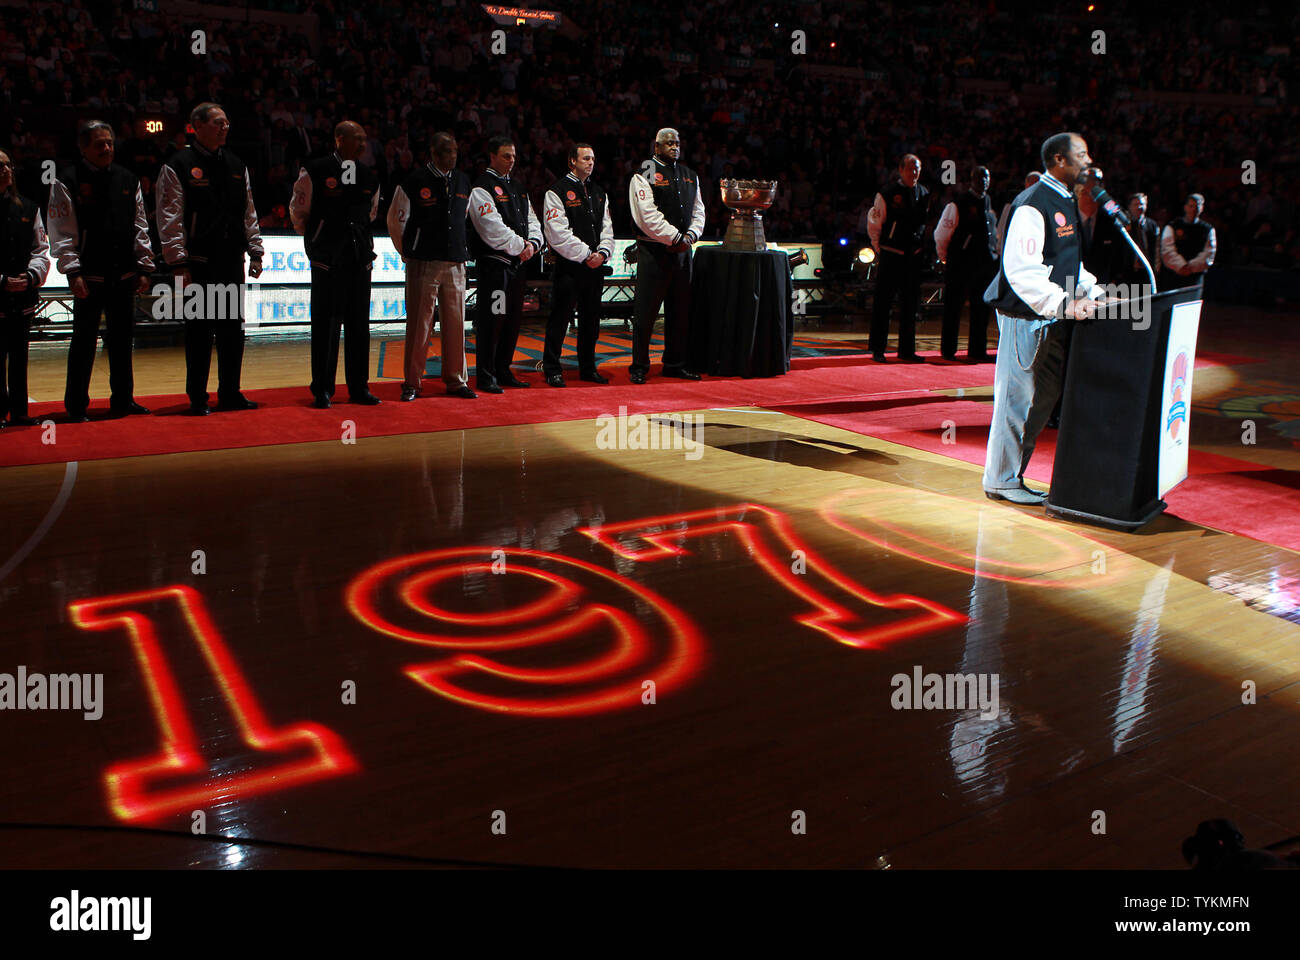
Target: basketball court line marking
[(56, 508)]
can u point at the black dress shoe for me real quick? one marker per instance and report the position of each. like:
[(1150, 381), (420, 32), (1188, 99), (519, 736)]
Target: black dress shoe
[(198, 410), (408, 394), (682, 374), (910, 358), (512, 381), (366, 400), (555, 380), (464, 393), (979, 358), (488, 388), (82, 418), (125, 410), (322, 403), (878, 358), (950, 357), (239, 403), (593, 377), (21, 422), (638, 378)]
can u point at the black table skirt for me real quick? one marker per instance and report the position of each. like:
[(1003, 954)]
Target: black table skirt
[(741, 323)]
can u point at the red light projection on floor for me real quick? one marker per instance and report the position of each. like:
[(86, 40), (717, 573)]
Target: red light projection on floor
[(608, 651), (856, 621), (179, 778), (1064, 559)]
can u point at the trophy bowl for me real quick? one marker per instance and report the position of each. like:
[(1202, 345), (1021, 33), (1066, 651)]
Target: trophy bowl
[(747, 199)]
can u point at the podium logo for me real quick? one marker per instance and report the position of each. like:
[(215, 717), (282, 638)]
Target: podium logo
[(945, 691), (1177, 400), (663, 432)]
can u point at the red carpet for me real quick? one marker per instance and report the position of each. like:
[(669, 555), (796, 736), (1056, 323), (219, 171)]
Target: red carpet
[(894, 402), (286, 415), (1224, 493)]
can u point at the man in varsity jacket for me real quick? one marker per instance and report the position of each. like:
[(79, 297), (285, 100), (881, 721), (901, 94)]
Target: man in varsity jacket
[(578, 227), (1127, 269), (24, 265), (966, 240), (334, 202), (1187, 246), (1042, 281), (668, 214), (896, 226), (207, 222), (506, 236), (426, 222), (99, 238)]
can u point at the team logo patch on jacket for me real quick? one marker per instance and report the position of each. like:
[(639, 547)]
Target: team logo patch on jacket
[(425, 193), (500, 192), (571, 195), (196, 173), (660, 180), (1059, 218), (331, 182)]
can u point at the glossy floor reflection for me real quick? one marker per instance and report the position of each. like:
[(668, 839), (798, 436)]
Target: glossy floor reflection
[(517, 646)]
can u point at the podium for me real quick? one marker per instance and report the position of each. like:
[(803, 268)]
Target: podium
[(1124, 439)]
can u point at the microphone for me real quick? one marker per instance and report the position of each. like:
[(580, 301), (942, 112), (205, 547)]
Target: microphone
[(1092, 181)]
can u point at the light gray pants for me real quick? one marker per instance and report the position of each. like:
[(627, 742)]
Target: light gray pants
[(1026, 386)]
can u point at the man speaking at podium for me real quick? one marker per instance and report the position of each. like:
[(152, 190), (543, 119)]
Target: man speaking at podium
[(1041, 283)]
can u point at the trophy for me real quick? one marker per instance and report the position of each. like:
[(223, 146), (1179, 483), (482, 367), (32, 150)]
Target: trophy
[(747, 199)]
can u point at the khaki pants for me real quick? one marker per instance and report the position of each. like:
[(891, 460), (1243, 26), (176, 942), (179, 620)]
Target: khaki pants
[(431, 283)]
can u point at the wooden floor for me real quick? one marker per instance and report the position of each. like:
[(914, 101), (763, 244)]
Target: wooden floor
[(389, 653)]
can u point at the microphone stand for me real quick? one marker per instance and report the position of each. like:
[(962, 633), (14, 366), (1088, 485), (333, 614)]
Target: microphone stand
[(1118, 217), (1151, 274)]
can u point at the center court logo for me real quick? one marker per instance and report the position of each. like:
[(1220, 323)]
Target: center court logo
[(75, 914), (662, 432), (946, 691)]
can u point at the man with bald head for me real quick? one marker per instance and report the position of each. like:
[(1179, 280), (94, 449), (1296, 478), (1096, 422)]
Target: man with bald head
[(668, 214), (334, 202), (897, 226)]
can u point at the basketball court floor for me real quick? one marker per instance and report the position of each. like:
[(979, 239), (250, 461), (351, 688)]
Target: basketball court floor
[(681, 634)]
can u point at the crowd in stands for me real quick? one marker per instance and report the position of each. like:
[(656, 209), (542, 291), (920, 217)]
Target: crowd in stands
[(1177, 102)]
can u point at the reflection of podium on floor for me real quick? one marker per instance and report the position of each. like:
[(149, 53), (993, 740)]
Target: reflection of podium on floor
[(1125, 413), (741, 323)]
